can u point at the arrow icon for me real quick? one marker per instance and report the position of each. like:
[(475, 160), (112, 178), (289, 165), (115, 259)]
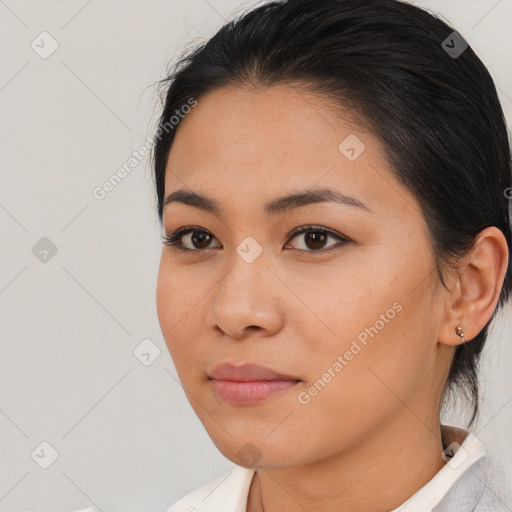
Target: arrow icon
[(351, 147), (44, 45), (44, 250), (146, 352), (44, 455), (249, 249), (454, 45)]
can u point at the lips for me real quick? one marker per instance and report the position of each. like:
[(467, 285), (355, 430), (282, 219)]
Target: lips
[(247, 372), (248, 384)]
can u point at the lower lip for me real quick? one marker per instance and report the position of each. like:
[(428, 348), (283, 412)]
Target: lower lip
[(240, 393)]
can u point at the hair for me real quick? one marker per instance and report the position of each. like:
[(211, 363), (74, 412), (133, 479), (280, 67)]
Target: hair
[(437, 114)]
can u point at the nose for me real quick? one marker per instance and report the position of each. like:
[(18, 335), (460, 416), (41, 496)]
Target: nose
[(248, 298)]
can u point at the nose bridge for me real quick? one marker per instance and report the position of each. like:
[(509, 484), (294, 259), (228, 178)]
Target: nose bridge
[(248, 266), (244, 295)]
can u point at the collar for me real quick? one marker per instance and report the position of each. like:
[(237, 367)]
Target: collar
[(463, 450)]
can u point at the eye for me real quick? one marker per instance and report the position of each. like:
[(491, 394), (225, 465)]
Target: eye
[(200, 239), (316, 238)]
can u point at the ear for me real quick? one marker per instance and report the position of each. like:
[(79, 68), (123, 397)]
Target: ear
[(477, 287)]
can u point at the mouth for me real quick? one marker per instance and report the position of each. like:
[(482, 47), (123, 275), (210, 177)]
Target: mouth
[(249, 392), (247, 372), (248, 383)]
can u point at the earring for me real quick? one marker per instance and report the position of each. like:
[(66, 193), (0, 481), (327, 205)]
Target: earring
[(459, 333)]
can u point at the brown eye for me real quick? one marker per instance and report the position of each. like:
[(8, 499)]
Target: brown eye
[(316, 238), (198, 239)]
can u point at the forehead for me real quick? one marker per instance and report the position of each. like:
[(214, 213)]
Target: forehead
[(261, 142), (275, 123)]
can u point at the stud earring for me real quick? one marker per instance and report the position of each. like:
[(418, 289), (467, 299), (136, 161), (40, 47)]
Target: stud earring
[(459, 333)]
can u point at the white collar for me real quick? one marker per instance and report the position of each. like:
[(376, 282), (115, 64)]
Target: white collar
[(465, 454)]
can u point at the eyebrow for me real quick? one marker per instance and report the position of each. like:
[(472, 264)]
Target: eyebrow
[(281, 204)]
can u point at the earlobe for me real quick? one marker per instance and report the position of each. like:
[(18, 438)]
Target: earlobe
[(460, 333), (477, 288), (452, 333)]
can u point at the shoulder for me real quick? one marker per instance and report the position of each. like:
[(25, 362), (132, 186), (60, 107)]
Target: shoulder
[(227, 493)]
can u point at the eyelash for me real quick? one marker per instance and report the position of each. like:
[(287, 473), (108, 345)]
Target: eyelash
[(174, 239)]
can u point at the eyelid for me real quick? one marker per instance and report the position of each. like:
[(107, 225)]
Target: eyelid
[(173, 240)]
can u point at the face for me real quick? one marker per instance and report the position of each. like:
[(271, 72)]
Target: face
[(347, 308)]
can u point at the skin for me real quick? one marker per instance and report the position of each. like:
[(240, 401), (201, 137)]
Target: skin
[(371, 437)]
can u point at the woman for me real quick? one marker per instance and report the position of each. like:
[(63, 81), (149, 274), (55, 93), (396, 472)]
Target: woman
[(332, 182)]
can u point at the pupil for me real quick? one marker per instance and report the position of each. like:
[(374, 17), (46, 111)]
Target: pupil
[(316, 237)]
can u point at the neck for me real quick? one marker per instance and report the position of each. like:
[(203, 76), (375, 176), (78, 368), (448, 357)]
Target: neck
[(378, 474)]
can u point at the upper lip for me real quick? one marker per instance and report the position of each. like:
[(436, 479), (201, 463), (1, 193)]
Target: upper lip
[(246, 372)]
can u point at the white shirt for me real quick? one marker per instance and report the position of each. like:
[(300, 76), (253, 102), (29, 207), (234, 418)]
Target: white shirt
[(471, 480)]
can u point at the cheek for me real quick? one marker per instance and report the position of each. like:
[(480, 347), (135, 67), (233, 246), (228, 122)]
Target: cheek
[(354, 388), (171, 307), (367, 345), (164, 297), (181, 313), (338, 303), (174, 296)]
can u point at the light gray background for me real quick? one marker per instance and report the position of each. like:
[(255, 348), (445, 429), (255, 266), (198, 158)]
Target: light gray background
[(125, 435)]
